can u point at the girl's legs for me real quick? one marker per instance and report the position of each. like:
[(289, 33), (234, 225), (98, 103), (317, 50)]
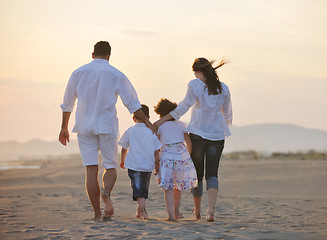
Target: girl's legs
[(177, 201), (169, 200)]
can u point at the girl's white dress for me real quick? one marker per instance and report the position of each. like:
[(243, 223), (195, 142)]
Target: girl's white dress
[(176, 169)]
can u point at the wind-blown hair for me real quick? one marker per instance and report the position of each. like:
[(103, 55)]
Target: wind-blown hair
[(209, 72), (164, 106)]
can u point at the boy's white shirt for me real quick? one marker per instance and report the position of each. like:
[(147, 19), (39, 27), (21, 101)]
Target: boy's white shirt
[(141, 144)]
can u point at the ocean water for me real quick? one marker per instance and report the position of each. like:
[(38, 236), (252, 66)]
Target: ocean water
[(13, 165)]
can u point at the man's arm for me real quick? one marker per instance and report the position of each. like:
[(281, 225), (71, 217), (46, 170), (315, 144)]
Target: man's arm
[(140, 114), (64, 133), (122, 157)]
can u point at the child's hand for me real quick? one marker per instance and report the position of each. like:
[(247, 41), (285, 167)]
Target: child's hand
[(156, 169), (122, 165)]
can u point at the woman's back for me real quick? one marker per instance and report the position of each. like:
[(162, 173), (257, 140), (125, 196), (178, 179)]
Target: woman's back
[(211, 114)]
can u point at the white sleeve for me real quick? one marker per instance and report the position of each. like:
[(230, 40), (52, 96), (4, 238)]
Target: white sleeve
[(184, 105), (227, 108), (157, 143), (183, 126), (128, 94), (124, 140), (70, 95)]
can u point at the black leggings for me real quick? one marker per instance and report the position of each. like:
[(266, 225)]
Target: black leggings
[(206, 157)]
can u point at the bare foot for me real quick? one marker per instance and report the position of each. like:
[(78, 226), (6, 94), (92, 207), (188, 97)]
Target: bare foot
[(210, 217), (97, 216), (144, 214), (138, 213), (178, 215), (196, 214), (171, 220), (108, 207)]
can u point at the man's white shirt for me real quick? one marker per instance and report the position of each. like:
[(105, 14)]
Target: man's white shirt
[(97, 85)]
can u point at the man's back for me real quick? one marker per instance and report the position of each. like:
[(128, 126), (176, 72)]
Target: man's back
[(97, 86)]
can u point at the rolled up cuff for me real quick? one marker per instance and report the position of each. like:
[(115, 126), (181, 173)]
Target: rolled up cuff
[(134, 108), (175, 115), (66, 108)]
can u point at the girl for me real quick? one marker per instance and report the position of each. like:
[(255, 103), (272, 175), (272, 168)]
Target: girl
[(208, 128), (176, 169)]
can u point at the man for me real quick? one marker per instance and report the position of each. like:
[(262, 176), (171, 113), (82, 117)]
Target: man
[(97, 85)]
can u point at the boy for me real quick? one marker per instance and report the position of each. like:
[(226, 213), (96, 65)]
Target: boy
[(140, 155)]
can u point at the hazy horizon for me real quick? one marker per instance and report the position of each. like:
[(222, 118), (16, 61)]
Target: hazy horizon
[(277, 71), (73, 136)]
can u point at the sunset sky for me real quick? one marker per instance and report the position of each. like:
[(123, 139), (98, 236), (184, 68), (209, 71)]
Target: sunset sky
[(277, 51)]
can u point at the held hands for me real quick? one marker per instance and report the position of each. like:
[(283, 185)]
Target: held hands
[(157, 124), (162, 120), (64, 136), (150, 125)]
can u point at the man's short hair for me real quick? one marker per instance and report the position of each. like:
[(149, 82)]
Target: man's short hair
[(102, 49)]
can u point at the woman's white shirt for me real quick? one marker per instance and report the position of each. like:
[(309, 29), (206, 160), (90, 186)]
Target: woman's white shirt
[(211, 114)]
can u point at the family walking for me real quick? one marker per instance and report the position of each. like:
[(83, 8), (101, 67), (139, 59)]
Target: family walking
[(181, 155)]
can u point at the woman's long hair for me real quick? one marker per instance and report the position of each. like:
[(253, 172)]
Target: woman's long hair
[(209, 72)]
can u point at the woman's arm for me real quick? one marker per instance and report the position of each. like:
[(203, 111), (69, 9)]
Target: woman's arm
[(181, 108), (161, 121), (227, 108), (187, 102)]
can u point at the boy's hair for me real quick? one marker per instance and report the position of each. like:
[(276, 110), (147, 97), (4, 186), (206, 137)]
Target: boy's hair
[(164, 106), (102, 49), (145, 110)]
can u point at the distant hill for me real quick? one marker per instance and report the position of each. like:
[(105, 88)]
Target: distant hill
[(276, 138), (260, 137)]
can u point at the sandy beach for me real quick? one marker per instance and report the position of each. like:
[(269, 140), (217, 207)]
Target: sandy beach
[(258, 199)]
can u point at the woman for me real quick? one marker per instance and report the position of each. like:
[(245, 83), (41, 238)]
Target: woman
[(208, 128)]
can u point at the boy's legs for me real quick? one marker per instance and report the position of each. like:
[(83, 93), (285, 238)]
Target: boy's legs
[(141, 212), (140, 182)]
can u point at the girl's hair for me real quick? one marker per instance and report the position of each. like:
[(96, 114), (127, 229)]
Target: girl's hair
[(209, 72), (164, 106)]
